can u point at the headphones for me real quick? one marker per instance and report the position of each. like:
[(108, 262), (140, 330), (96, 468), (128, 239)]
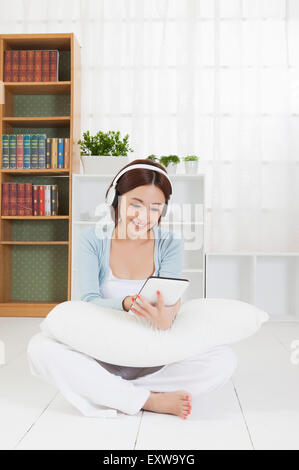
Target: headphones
[(112, 190)]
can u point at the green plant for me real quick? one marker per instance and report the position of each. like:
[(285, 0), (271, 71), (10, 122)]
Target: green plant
[(190, 158), (104, 143), (166, 159), (153, 158)]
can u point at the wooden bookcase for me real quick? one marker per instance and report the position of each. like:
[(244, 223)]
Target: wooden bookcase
[(35, 251)]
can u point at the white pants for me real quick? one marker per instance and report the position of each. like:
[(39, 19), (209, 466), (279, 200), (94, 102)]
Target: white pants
[(89, 384)]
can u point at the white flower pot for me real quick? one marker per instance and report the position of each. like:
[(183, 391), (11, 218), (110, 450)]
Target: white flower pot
[(102, 164), (191, 167), (171, 168)]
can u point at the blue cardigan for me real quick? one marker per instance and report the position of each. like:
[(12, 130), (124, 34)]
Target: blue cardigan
[(94, 260)]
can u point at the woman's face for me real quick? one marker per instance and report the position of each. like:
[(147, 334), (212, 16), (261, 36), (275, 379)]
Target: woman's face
[(140, 209)]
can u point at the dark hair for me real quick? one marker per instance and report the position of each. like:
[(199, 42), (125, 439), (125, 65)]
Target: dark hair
[(139, 177)]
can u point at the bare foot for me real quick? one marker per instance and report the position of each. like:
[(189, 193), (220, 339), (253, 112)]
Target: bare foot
[(175, 403)]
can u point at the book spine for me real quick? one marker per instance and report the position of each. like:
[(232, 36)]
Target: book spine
[(60, 162), (15, 65), (35, 199), (41, 200), (7, 66), (45, 66), (5, 199), (30, 66), (12, 150), (20, 198), (28, 199), (48, 199), (53, 66), (42, 151), (27, 151), (23, 66), (5, 150), (54, 152), (54, 200), (37, 66), (20, 150), (48, 152), (34, 151), (13, 199), (66, 152)]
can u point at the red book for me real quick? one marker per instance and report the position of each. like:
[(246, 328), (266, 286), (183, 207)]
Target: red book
[(20, 198), (5, 199), (23, 66), (20, 150), (41, 199), (15, 65), (7, 66), (28, 199), (35, 199), (37, 66), (13, 199), (30, 66), (53, 66), (45, 66)]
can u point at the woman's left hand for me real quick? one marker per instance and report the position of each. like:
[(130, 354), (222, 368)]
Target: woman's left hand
[(160, 315)]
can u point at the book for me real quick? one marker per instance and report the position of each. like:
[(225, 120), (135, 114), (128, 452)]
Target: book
[(45, 66), (15, 66), (41, 199), (54, 150), (48, 152), (27, 151), (34, 151), (35, 199), (37, 76), (47, 199), (30, 66), (12, 150), (60, 158), (7, 66), (54, 200), (54, 60), (23, 66), (66, 152), (42, 150), (20, 203), (5, 150), (20, 150), (5, 198)]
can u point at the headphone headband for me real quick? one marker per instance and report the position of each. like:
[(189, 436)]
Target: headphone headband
[(140, 165)]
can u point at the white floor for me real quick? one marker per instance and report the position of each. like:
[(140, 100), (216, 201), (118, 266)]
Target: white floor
[(257, 409)]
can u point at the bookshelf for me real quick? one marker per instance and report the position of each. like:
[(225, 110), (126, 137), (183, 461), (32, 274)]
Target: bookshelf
[(35, 251)]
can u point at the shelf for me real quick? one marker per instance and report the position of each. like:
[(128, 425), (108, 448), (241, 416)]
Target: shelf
[(25, 308), (35, 217), (52, 121), (32, 243), (38, 88), (181, 176), (41, 171)]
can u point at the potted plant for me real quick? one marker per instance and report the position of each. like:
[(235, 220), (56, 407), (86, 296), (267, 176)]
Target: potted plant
[(170, 162), (191, 164), (105, 152)]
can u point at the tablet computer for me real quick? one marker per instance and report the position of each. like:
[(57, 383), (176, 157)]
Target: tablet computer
[(171, 288)]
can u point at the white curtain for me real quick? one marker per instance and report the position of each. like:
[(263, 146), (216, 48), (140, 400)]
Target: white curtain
[(215, 78)]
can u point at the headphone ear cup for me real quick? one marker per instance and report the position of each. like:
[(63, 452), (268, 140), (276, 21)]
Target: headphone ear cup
[(110, 196)]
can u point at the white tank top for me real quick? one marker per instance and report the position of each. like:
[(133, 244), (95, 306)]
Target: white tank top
[(116, 287)]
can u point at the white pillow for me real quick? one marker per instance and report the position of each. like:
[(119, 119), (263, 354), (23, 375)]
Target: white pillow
[(117, 337)]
